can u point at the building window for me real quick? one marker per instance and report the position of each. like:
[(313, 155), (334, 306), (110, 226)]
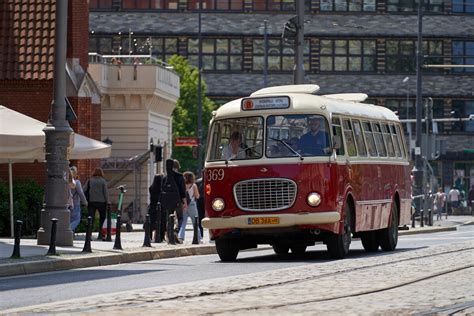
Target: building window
[(463, 6), (217, 54), (278, 5), (348, 5), (280, 56), (400, 55), (462, 109), (227, 5), (412, 5), (463, 52), (149, 4), (101, 45), (100, 4), (347, 55), (408, 111)]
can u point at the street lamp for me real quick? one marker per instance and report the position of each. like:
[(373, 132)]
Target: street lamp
[(199, 109), (265, 29), (407, 81)]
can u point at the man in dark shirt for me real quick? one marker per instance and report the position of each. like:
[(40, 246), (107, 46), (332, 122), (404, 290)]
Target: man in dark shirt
[(315, 141), (179, 178)]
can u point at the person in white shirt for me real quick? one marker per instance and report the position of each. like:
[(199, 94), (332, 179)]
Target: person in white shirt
[(454, 198), (192, 195)]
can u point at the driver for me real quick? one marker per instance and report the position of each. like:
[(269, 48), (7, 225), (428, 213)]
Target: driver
[(315, 140), (235, 149)]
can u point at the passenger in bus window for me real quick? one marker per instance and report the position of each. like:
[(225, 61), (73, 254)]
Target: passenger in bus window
[(235, 149), (315, 141)]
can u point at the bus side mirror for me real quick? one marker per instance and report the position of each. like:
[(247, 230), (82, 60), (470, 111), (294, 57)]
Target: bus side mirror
[(337, 142)]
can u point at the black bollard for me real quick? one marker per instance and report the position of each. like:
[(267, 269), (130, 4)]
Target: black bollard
[(52, 244), (87, 243), (158, 224), (196, 231), (422, 219), (430, 218), (118, 241), (147, 242), (413, 220), (170, 230), (109, 224), (16, 247)]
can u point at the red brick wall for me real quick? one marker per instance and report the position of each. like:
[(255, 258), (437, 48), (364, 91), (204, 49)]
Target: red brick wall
[(78, 31)]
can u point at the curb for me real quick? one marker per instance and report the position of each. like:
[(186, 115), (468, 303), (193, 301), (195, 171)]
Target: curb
[(99, 259), (430, 230)]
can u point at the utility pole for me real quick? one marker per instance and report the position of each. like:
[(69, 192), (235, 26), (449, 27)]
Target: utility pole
[(418, 168), (265, 53), (58, 142), (299, 61), (199, 95)]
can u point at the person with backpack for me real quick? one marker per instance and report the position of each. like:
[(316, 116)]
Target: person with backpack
[(98, 198), (191, 211), (173, 193)]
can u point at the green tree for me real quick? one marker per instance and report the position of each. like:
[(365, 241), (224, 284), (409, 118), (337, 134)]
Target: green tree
[(185, 115)]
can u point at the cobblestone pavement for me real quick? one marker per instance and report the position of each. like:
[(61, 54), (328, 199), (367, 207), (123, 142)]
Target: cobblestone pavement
[(403, 282)]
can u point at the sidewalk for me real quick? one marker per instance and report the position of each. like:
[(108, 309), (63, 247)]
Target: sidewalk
[(34, 260)]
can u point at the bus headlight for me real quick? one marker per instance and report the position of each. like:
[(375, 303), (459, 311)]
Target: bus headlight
[(218, 204), (313, 199)]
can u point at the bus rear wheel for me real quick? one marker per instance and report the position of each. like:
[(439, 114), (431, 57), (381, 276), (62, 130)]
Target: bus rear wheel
[(388, 237), (369, 241), (338, 244), (280, 249), (227, 250), (298, 250)]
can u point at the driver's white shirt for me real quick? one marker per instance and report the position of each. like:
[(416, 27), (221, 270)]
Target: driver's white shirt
[(227, 153)]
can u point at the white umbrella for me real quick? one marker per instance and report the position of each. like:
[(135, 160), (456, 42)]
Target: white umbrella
[(22, 140)]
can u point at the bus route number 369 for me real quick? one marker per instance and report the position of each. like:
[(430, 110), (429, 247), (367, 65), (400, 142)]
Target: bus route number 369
[(215, 175)]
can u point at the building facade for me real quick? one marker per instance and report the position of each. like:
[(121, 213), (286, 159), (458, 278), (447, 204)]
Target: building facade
[(350, 46)]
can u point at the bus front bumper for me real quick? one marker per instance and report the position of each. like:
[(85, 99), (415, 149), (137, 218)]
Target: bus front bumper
[(270, 220)]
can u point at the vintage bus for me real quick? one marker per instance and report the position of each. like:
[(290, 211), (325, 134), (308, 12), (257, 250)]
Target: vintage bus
[(289, 168)]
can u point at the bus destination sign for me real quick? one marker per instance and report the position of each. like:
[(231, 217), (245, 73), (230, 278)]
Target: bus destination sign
[(250, 104)]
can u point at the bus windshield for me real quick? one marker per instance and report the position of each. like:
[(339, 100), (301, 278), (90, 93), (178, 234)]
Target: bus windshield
[(297, 135), (302, 135), (236, 139)]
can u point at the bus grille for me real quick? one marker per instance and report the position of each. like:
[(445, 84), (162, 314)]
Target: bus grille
[(270, 194)]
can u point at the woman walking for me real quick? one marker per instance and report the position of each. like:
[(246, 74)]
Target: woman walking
[(96, 189), (191, 211), (78, 198)]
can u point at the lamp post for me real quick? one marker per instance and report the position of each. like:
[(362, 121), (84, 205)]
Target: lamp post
[(407, 81), (58, 140), (299, 63), (264, 30), (199, 94)]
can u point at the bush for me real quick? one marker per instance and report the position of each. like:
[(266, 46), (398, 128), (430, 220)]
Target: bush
[(27, 203)]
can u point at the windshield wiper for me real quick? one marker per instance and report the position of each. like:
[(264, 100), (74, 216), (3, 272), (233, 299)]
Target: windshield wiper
[(245, 149), (287, 146)]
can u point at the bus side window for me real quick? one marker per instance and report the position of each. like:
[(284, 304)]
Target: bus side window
[(359, 137), (349, 138), (379, 143), (337, 134), (369, 138), (388, 140), (396, 144), (401, 140)]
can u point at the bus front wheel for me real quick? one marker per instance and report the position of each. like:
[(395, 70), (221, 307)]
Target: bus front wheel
[(227, 250), (338, 244), (388, 237)]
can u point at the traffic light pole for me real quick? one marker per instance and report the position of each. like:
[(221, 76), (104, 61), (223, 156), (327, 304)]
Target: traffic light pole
[(298, 71), (58, 140)]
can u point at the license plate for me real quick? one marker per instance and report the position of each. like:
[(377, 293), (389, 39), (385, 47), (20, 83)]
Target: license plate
[(263, 220)]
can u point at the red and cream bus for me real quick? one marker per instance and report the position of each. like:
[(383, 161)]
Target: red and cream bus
[(289, 168)]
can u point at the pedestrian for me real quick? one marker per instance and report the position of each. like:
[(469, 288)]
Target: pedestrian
[(191, 210), (200, 204), (96, 189), (173, 193), (182, 192), (78, 198), (154, 209), (454, 199), (470, 199), (438, 203)]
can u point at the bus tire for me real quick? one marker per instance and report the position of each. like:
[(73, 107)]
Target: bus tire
[(369, 241), (280, 249), (298, 250), (338, 244), (388, 237), (227, 250)]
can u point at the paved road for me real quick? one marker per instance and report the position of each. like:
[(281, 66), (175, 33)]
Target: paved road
[(147, 277)]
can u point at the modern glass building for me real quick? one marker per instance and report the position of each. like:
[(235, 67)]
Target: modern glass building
[(350, 46)]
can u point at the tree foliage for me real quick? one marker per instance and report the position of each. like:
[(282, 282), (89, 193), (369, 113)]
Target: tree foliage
[(185, 115)]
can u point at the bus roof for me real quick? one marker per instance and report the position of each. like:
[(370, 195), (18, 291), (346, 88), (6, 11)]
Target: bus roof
[(304, 101)]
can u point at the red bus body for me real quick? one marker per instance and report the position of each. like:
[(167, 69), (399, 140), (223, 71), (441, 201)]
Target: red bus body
[(369, 190)]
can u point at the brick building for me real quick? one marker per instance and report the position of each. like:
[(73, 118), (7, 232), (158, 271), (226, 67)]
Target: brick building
[(350, 46), (27, 30)]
